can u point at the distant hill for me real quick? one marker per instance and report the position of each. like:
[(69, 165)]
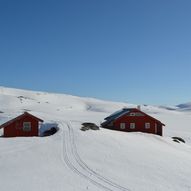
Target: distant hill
[(185, 106)]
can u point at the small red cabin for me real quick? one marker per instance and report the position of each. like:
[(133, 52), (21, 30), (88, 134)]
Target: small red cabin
[(25, 125), (133, 120)]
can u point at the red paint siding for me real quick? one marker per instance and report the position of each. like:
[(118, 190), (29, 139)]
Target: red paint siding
[(15, 128), (139, 122)]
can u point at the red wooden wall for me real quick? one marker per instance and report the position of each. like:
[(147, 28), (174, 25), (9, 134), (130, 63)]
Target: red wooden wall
[(15, 128), (155, 126), (137, 117)]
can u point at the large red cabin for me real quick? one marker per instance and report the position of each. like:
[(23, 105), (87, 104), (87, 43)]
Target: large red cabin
[(133, 120), (25, 125)]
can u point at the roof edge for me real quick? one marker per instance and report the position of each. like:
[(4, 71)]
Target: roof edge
[(18, 117), (130, 109)]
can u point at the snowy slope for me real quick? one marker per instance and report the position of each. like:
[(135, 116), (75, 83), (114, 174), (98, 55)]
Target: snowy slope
[(92, 160)]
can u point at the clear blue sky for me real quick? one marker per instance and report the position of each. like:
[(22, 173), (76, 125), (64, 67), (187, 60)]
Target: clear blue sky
[(137, 51)]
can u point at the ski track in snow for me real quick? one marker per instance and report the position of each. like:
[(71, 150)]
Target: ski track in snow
[(73, 160)]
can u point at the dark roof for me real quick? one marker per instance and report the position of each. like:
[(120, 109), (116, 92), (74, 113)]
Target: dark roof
[(19, 117), (118, 114), (123, 112)]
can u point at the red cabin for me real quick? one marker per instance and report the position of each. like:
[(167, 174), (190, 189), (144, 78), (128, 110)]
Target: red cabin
[(133, 120), (25, 125)]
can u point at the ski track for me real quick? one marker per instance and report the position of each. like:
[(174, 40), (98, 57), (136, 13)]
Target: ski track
[(73, 160), (67, 155)]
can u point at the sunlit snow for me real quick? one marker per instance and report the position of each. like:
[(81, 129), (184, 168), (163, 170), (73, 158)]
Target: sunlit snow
[(74, 160)]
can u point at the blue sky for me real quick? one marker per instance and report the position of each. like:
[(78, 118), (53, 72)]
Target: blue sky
[(137, 51)]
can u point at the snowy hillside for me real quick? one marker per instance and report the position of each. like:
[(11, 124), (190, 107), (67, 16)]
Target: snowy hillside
[(74, 160)]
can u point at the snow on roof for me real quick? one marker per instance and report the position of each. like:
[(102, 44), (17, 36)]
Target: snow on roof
[(8, 118)]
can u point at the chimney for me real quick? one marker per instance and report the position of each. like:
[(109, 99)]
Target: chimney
[(139, 107)]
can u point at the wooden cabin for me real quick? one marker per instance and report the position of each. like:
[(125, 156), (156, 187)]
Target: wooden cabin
[(133, 120), (25, 125)]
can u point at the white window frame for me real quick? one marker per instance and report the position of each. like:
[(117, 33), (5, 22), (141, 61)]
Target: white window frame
[(147, 125), (132, 125), (27, 126), (132, 114), (122, 125)]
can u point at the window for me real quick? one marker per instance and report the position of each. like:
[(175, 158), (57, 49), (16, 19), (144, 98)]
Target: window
[(132, 114), (26, 126), (147, 125), (122, 125), (136, 114), (132, 125)]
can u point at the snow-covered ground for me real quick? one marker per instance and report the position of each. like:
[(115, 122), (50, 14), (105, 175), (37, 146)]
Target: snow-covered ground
[(74, 160)]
